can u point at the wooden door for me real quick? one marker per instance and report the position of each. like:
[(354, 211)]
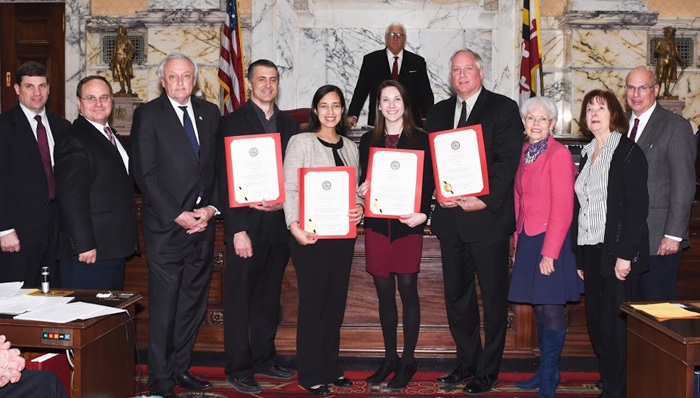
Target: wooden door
[(33, 32)]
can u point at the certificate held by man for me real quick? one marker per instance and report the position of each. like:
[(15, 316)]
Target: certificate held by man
[(326, 195), (254, 169), (459, 163), (395, 186)]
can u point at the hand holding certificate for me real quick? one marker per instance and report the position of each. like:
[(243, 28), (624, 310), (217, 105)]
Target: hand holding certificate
[(459, 163), (326, 196), (254, 169), (395, 177)]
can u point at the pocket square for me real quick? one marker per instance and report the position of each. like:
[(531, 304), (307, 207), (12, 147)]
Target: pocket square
[(412, 71)]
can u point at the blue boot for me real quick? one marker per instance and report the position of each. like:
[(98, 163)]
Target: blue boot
[(534, 381), (552, 343)]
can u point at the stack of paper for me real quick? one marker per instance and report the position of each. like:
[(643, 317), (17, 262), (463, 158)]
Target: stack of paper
[(666, 311), (69, 312)]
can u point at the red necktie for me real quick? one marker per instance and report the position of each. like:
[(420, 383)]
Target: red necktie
[(395, 69), (633, 133), (110, 136), (43, 141)]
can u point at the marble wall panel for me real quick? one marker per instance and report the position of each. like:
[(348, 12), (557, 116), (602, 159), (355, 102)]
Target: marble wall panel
[(93, 50), (553, 49), (608, 48), (688, 90), (183, 4), (200, 43)]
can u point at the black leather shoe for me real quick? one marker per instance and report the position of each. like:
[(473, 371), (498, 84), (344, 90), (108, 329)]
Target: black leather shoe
[(457, 376), (275, 372), (246, 385), (479, 385), (404, 374), (186, 380), (167, 393), (599, 384), (343, 381), (387, 368), (320, 391)]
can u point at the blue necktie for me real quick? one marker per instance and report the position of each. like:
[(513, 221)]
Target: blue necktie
[(189, 129)]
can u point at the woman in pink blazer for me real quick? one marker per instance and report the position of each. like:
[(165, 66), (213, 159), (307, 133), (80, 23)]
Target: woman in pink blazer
[(544, 273)]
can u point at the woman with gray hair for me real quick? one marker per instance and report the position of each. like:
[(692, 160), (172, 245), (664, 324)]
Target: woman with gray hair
[(544, 273)]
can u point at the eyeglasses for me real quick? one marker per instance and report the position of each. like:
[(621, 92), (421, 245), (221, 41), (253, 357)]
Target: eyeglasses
[(393, 35), (91, 99), (642, 89), (539, 120)]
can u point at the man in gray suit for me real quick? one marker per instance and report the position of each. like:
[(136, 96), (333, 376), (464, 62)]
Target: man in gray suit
[(669, 145)]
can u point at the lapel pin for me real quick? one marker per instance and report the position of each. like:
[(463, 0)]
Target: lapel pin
[(200, 118)]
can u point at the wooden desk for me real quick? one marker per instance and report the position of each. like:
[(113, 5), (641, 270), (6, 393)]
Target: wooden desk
[(103, 347), (661, 356)]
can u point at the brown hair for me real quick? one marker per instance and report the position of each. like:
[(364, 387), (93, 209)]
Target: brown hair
[(618, 120), (410, 129)]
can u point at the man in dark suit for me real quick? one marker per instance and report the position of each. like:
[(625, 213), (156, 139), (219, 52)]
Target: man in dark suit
[(669, 145), (392, 63), (95, 194), (257, 243), (172, 160), (29, 213), (474, 231)]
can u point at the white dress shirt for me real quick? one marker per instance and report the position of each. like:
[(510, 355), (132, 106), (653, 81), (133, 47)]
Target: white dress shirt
[(390, 56), (120, 148), (470, 105)]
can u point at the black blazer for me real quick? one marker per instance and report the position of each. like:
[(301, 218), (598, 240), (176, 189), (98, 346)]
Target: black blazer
[(258, 224), (165, 166), (503, 141), (24, 192), (626, 232), (375, 69), (96, 195), (398, 229)]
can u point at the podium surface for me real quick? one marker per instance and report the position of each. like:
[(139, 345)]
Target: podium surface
[(103, 347), (661, 356)]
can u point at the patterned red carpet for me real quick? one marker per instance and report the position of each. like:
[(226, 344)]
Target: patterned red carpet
[(573, 384)]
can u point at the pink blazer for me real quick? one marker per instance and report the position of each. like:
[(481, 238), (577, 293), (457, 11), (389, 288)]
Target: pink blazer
[(544, 197)]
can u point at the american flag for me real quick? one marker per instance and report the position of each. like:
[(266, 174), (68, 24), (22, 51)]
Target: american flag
[(531, 65), (231, 60)]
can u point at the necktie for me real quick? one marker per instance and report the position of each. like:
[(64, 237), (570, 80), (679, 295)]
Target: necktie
[(189, 129), (395, 69), (463, 116), (633, 133), (43, 141), (110, 136)]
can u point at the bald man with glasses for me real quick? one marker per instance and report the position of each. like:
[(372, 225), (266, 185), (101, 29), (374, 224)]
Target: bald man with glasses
[(392, 63)]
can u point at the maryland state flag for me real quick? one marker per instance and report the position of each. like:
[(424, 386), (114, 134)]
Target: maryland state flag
[(530, 67)]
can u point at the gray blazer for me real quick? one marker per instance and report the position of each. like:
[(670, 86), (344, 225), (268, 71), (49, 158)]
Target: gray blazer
[(669, 146), (304, 150)]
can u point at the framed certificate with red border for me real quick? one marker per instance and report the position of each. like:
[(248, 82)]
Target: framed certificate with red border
[(396, 182), (459, 163), (254, 169), (326, 195)]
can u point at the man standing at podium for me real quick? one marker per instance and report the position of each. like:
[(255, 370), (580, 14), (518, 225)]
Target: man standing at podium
[(392, 63), (29, 212), (173, 153), (96, 195), (669, 145)]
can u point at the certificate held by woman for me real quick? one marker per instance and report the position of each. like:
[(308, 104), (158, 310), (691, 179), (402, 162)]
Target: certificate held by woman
[(326, 195), (254, 169), (395, 187), (459, 163)]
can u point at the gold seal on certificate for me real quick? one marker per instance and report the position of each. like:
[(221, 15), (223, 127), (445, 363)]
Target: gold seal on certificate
[(326, 194), (459, 163), (254, 169), (395, 177)]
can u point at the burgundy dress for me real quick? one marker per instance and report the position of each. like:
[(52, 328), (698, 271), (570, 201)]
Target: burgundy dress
[(402, 255)]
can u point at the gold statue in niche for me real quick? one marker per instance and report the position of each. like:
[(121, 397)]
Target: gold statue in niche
[(667, 62), (122, 60)]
